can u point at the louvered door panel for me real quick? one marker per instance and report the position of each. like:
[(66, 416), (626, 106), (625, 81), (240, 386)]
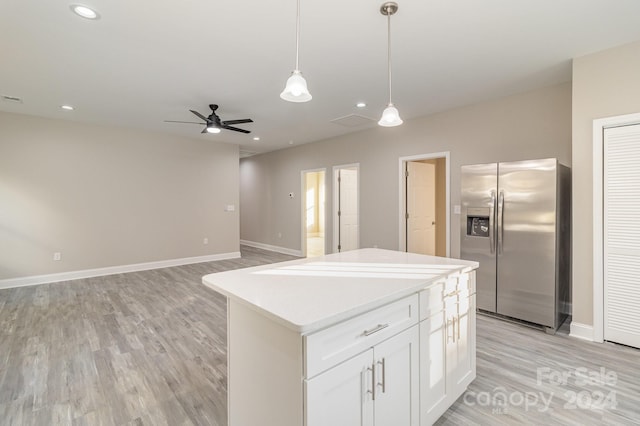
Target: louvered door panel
[(622, 235)]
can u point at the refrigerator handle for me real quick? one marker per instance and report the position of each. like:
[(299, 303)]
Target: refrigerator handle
[(492, 223), (500, 221)]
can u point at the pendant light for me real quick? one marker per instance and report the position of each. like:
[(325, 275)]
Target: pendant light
[(296, 88), (390, 115)]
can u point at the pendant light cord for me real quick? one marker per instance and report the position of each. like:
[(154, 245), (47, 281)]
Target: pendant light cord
[(297, 33), (388, 48)]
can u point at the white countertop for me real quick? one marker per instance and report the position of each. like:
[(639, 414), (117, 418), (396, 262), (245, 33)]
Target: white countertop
[(309, 294)]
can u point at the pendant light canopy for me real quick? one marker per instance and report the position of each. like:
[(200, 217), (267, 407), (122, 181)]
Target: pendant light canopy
[(390, 116), (296, 88)]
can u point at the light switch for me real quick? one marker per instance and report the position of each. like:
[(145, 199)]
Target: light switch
[(230, 208)]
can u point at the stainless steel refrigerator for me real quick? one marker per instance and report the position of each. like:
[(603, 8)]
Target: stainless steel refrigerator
[(516, 223)]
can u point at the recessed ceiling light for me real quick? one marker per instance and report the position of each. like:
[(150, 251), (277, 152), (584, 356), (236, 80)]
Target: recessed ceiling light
[(67, 107), (361, 105), (290, 142), (84, 11), (256, 138)]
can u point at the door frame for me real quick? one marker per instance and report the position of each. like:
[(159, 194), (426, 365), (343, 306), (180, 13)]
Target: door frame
[(402, 235), (303, 210), (334, 218), (598, 223)]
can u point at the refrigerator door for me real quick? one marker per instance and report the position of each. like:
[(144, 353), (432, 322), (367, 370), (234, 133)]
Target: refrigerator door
[(526, 240), (477, 228)]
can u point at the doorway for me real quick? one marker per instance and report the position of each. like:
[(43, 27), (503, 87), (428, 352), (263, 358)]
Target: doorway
[(313, 213), (346, 219), (424, 204)]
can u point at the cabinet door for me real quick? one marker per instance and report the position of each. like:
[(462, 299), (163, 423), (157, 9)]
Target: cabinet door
[(433, 402), (342, 396), (397, 366), (451, 346), (465, 370)]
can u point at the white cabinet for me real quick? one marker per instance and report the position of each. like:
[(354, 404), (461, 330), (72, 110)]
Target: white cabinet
[(447, 344), (433, 353), (342, 395), (401, 360), (380, 383)]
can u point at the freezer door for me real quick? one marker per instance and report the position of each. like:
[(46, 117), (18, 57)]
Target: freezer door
[(477, 228), (526, 241)]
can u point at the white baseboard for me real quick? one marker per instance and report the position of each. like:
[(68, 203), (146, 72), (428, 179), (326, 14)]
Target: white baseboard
[(110, 270), (269, 247), (581, 331)]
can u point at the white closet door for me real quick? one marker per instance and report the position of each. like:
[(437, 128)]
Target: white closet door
[(622, 235)]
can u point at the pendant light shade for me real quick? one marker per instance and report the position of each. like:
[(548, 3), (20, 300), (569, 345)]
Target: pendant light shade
[(296, 87), (390, 115)]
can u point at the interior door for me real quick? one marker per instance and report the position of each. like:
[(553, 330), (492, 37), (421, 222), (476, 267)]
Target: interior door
[(348, 236), (421, 208), (622, 235)]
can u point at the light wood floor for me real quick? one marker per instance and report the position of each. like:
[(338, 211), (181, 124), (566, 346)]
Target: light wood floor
[(149, 348)]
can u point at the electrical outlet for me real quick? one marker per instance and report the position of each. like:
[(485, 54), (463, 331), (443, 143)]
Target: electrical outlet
[(279, 234), (205, 241), (57, 256), (456, 209)]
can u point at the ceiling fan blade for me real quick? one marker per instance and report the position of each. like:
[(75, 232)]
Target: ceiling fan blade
[(204, 131), (200, 115), (235, 129), (244, 120), (186, 122)]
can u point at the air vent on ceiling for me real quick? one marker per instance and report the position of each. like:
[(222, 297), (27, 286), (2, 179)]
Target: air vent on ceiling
[(12, 99), (352, 120), (245, 154)]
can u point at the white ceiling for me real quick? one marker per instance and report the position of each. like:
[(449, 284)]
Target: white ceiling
[(148, 61)]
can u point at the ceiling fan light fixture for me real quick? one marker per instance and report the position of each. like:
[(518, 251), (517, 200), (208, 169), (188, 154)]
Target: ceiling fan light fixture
[(296, 88), (390, 117), (213, 129)]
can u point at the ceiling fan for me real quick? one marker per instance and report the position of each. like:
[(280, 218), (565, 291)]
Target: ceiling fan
[(213, 123)]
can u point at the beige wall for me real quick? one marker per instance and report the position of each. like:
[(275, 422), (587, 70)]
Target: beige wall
[(109, 197), (605, 84), (530, 125)]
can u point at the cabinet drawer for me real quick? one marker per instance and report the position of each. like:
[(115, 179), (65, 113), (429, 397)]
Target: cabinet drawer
[(340, 342)]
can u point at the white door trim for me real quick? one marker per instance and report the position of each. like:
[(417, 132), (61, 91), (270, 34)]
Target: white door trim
[(402, 200), (303, 204), (334, 221), (598, 220)]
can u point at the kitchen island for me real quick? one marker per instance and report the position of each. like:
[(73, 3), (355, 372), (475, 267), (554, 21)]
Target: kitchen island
[(366, 337)]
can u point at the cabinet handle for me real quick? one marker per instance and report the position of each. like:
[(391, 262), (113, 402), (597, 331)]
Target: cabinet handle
[(453, 328), (373, 382), (375, 329), (384, 375), (458, 326)]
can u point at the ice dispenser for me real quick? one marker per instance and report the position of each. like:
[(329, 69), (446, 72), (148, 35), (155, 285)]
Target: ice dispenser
[(478, 222)]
